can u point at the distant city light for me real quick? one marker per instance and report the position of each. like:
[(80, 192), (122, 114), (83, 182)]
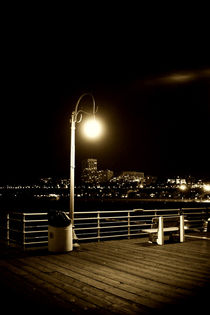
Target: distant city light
[(182, 187), (206, 187), (92, 128)]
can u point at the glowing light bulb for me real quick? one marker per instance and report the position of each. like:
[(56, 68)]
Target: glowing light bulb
[(92, 128)]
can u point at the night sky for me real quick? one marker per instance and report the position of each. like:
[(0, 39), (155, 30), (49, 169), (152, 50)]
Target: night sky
[(152, 93)]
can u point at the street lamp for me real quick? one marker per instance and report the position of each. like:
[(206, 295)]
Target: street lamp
[(92, 129)]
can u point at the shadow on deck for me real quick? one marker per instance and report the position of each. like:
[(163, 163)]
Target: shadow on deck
[(113, 277)]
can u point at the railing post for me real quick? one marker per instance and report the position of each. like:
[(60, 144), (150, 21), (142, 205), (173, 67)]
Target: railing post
[(205, 225), (129, 224), (98, 225), (23, 218), (7, 229)]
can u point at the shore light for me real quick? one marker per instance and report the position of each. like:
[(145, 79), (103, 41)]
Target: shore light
[(206, 187), (183, 187)]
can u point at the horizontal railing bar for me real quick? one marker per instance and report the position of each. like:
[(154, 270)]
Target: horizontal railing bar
[(28, 213), (109, 211), (193, 213), (201, 209), (41, 226), (16, 220), (34, 213), (42, 220), (168, 210), (37, 231), (101, 218)]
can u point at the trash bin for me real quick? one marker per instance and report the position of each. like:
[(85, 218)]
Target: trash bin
[(59, 232)]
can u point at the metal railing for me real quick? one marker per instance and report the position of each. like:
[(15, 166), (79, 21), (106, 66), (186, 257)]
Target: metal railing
[(101, 225), (27, 230), (30, 230)]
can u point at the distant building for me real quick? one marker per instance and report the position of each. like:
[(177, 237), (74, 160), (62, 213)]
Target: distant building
[(133, 176), (89, 164), (129, 177), (177, 181), (104, 176), (150, 180), (90, 173)]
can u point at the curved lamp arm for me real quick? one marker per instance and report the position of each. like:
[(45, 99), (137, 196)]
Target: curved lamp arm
[(76, 112)]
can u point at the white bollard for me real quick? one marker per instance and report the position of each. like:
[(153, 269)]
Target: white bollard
[(160, 239), (181, 229)]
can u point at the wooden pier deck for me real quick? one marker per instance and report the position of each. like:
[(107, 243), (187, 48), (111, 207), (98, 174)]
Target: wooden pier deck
[(113, 277)]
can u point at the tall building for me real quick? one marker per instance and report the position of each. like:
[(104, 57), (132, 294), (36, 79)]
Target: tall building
[(90, 173), (89, 164)]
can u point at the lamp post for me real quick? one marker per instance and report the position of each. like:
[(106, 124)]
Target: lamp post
[(76, 117)]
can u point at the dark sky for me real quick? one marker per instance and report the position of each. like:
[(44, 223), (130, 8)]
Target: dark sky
[(152, 92)]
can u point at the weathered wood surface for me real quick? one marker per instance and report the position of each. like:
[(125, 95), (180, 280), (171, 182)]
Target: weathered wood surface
[(119, 277)]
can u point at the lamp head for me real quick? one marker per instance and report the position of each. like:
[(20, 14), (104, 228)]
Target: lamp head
[(92, 128)]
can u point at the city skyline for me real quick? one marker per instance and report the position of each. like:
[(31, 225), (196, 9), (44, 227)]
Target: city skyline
[(150, 149), (96, 168), (153, 99)]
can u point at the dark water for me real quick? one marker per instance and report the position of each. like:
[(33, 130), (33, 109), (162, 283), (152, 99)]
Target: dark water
[(33, 204)]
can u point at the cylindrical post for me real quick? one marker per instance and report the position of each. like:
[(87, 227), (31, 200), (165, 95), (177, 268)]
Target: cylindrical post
[(98, 225), (181, 230), (7, 228), (73, 121), (129, 225), (72, 177), (160, 239), (24, 238), (72, 168)]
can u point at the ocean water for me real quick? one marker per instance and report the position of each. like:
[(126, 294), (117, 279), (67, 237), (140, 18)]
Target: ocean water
[(30, 204)]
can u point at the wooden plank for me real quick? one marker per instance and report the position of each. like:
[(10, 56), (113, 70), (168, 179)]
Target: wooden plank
[(174, 251), (67, 292), (122, 281), (146, 283), (147, 274), (146, 270), (103, 284), (81, 282), (147, 287), (154, 256), (25, 296), (163, 264), (115, 287), (29, 285), (115, 277)]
